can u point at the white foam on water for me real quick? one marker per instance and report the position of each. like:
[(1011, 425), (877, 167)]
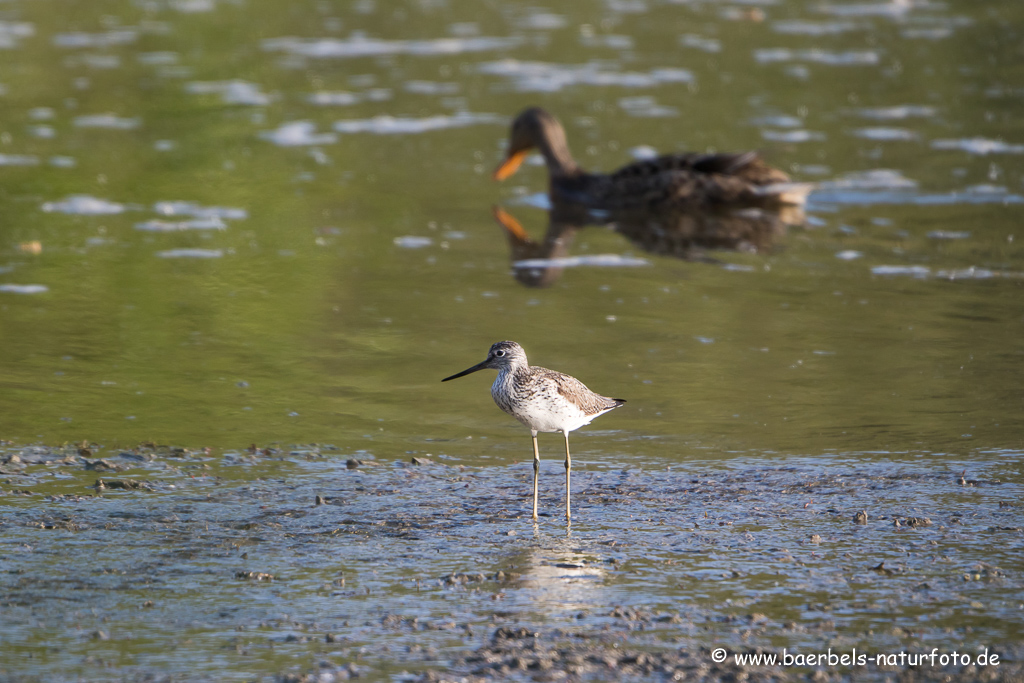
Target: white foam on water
[(712, 45), (598, 260), (792, 135), (777, 120), (539, 20), (883, 134), (182, 208), (231, 92), (391, 125), (980, 146), (817, 56), (112, 121), (894, 8), (157, 225), (538, 200), (949, 234), (79, 39), (643, 152), (814, 28), (163, 58), (12, 33), (191, 253), (911, 271), (413, 242), (358, 45), (876, 178), (646, 107), (431, 88), (904, 111), (298, 133), (19, 160), (85, 205), (547, 77), (23, 289), (326, 98)]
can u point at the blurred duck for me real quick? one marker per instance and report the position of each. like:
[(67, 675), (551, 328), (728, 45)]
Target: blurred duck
[(689, 180)]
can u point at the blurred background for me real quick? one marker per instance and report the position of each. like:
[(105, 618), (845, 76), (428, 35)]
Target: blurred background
[(227, 222)]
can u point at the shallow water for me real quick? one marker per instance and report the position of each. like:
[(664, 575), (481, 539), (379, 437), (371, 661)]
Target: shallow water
[(232, 223)]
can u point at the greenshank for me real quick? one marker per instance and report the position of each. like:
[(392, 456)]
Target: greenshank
[(542, 399)]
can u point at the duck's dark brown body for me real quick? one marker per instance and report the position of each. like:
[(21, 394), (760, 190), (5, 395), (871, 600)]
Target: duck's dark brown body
[(692, 180)]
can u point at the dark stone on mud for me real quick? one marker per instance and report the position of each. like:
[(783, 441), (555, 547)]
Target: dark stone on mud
[(122, 484), (137, 457), (509, 633), (101, 465), (353, 463)]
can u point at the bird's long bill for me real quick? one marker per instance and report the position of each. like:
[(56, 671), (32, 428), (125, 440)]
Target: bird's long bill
[(478, 366), (510, 165)]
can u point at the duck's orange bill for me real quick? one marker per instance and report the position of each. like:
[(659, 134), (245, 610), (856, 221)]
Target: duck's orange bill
[(510, 165), (510, 224)]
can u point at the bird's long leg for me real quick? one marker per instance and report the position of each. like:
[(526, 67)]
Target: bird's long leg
[(568, 467), (536, 471)]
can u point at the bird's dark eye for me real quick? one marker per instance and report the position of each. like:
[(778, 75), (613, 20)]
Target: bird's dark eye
[(499, 352)]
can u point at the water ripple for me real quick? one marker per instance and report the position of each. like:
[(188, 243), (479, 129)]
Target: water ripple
[(979, 146), (157, 225), (23, 289), (87, 40), (360, 46), (191, 253), (231, 92), (181, 208), (885, 134), (898, 112), (85, 205), (817, 56), (389, 125), (600, 260), (12, 32), (546, 77), (18, 160), (112, 121), (298, 133)]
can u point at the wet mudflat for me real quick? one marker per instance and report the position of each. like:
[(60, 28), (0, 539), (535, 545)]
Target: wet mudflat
[(311, 564)]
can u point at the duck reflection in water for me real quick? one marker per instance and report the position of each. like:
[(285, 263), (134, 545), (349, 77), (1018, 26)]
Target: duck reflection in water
[(687, 235)]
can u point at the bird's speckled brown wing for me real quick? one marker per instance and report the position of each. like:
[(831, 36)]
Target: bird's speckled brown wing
[(577, 392)]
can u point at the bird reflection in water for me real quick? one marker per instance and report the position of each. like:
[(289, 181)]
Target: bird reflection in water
[(683, 234)]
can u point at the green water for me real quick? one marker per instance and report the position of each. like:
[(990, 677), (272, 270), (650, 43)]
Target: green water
[(314, 325)]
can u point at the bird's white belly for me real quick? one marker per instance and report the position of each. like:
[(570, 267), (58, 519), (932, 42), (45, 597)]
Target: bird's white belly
[(547, 415)]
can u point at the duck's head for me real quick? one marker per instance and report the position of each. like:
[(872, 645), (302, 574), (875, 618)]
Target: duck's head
[(503, 355), (534, 127)]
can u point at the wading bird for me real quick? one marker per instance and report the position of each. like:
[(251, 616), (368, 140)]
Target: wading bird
[(542, 399)]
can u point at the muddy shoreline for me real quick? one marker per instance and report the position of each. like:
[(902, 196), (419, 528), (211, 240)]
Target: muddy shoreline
[(309, 563)]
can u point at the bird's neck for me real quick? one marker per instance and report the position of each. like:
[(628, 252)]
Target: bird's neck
[(555, 150), (508, 374)]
